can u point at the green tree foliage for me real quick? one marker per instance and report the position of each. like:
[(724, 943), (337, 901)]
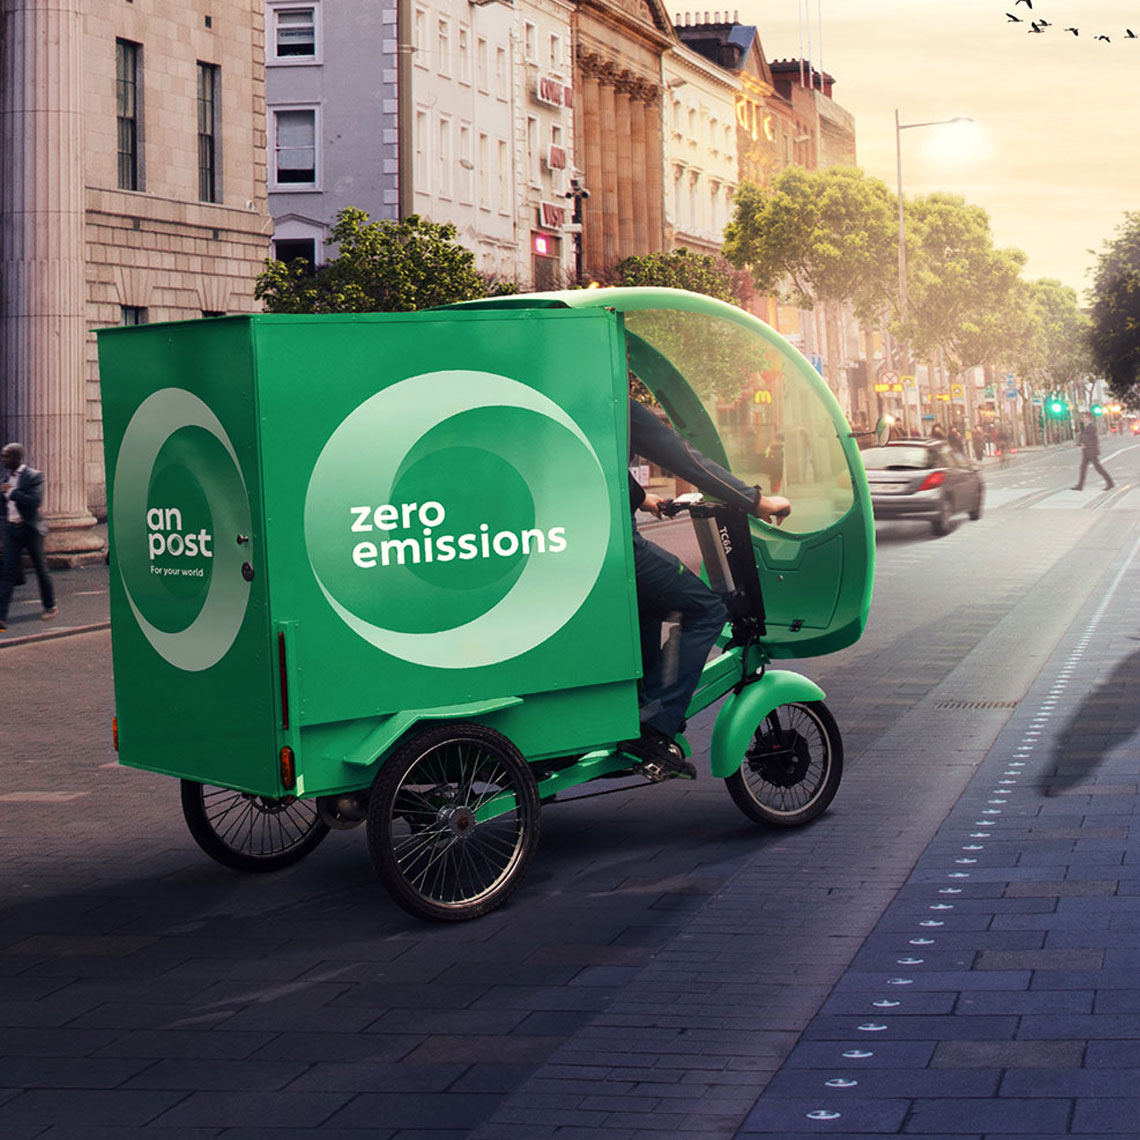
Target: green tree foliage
[(1055, 353), (817, 235), (963, 294), (716, 357), (681, 269), (1115, 332), (380, 267)]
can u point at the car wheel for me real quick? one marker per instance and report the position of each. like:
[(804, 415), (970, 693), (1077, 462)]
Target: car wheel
[(976, 513), (940, 524)]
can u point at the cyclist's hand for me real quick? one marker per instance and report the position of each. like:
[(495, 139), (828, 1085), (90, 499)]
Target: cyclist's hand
[(652, 504), (772, 509)]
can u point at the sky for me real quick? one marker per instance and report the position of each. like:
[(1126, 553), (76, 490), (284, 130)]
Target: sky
[(1053, 155)]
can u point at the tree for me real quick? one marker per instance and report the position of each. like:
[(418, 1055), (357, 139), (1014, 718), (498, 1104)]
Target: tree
[(380, 267), (722, 348), (1056, 353), (817, 235), (963, 294), (681, 269), (1114, 338)]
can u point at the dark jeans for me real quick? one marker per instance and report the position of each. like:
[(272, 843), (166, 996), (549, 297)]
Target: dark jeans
[(1086, 459), (19, 537), (671, 672)]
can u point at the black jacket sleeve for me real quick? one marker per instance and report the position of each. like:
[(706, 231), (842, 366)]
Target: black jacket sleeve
[(656, 441)]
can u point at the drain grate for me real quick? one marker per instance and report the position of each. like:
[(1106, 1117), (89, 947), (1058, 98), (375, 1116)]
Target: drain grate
[(976, 704)]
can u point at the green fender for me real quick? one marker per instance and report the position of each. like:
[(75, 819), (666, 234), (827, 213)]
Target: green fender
[(742, 712)]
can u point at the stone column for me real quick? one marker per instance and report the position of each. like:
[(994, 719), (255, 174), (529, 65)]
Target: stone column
[(42, 256), (640, 198), (655, 171), (609, 187), (626, 175), (588, 151)]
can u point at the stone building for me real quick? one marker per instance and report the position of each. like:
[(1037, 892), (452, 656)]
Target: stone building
[(133, 190), (457, 110), (700, 150), (620, 142)]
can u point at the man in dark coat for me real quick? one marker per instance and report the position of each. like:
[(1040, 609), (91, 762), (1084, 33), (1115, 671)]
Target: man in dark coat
[(23, 527), (1089, 441)]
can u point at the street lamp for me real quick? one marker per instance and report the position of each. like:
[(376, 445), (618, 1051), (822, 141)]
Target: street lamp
[(899, 128)]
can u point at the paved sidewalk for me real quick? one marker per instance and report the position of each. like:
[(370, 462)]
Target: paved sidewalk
[(999, 993), (81, 595)]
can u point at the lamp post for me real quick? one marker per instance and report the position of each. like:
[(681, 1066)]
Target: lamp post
[(903, 300)]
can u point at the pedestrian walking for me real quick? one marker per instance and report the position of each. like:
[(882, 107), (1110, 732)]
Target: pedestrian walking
[(1089, 441), (21, 495)]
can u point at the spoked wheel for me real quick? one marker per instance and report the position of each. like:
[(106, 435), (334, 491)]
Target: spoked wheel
[(453, 822), (248, 832), (792, 768)]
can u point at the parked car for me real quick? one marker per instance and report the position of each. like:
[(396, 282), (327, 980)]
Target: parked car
[(923, 479)]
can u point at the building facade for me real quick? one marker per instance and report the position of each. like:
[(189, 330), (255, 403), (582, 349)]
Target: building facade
[(700, 150), (134, 190)]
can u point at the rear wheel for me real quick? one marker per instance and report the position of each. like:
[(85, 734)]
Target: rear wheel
[(792, 768), (453, 822), (248, 832), (940, 524)]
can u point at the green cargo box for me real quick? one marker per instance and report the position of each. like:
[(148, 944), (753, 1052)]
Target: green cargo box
[(327, 529)]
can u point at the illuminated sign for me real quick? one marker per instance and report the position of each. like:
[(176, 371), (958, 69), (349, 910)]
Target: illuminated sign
[(752, 118)]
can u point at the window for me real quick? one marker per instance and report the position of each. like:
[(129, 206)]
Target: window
[(420, 38), (484, 152), (295, 146), (466, 165), (481, 64), (294, 32), (555, 53), (296, 249), (209, 89), (530, 41), (463, 65), (419, 167), (532, 168), (132, 315), (502, 186), (443, 47), (501, 72), (128, 59), (445, 159)]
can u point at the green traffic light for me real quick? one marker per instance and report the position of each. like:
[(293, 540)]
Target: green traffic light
[(1097, 410)]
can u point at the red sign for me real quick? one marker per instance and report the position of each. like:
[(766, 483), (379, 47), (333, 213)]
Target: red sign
[(553, 92), (551, 216), (556, 157)]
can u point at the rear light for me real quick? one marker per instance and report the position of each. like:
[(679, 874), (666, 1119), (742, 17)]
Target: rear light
[(115, 731), (934, 479), (288, 769)]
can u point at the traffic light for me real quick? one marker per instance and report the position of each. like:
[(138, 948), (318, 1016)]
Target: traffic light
[(1097, 410), (1057, 407)]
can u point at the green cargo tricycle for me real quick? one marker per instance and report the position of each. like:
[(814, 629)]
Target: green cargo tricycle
[(378, 569)]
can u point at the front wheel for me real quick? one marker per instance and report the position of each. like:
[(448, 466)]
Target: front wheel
[(248, 832), (792, 768), (453, 822)]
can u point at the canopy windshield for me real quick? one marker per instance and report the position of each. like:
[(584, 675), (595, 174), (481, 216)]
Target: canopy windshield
[(760, 408)]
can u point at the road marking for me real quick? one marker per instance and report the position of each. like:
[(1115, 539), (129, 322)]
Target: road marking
[(40, 797)]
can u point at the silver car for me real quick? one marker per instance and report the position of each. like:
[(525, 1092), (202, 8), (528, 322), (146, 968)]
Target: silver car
[(923, 479)]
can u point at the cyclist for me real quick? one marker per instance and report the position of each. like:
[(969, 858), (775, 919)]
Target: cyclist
[(665, 587)]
